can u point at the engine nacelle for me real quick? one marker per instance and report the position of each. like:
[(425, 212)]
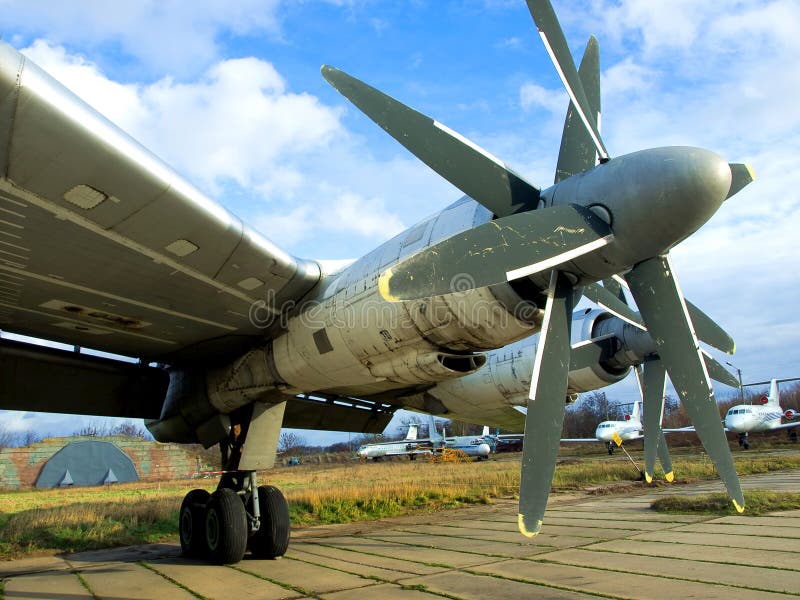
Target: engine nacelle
[(585, 376), (198, 403)]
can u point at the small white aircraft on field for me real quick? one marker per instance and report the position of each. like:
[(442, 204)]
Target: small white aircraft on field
[(410, 446), (765, 416), (471, 445), (629, 428)]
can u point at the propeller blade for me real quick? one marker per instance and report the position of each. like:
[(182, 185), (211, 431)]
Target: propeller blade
[(661, 303), (545, 417), (704, 326), (652, 378), (717, 372), (615, 287), (556, 44), (498, 251), (664, 458), (709, 332), (605, 298), (470, 168), (577, 151), (741, 175)]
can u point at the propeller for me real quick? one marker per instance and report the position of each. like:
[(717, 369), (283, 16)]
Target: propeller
[(547, 397), (577, 152), (613, 299), (621, 216), (556, 44), (470, 168), (652, 378), (498, 251), (655, 289)]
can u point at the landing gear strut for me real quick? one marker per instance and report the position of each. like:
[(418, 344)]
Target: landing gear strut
[(743, 442), (220, 527)]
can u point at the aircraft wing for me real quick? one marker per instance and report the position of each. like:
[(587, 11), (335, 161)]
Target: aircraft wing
[(786, 425), (688, 429), (572, 440), (103, 246)]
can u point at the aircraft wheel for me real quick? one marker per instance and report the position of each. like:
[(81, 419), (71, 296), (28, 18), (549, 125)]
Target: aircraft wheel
[(225, 527), (272, 538), (610, 449), (191, 524), (746, 445)]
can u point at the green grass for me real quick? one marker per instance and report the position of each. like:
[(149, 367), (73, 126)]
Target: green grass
[(757, 502)]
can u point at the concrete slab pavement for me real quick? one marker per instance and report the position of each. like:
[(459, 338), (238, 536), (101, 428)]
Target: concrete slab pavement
[(592, 547)]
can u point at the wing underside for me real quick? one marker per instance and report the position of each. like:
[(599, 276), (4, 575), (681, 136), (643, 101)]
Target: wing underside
[(103, 246)]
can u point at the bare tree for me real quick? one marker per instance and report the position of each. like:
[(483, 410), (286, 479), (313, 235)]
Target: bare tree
[(29, 438), (7, 438), (130, 429), (291, 442)]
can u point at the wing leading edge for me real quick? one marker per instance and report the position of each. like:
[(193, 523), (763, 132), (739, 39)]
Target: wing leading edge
[(103, 246)]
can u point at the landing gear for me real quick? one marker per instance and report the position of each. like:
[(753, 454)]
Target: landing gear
[(219, 527), (610, 448), (792, 435), (743, 442)]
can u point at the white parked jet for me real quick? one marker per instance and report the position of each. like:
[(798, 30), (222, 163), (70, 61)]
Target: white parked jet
[(471, 445), (410, 446), (765, 416), (629, 428)]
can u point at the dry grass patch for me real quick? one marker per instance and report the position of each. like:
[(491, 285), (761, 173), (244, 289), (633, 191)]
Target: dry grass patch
[(756, 502), (35, 521)]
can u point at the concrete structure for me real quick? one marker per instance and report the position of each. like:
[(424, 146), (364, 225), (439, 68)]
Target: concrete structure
[(591, 547), (152, 461)]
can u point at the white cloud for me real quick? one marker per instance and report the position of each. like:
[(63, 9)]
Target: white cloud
[(532, 96), (169, 37)]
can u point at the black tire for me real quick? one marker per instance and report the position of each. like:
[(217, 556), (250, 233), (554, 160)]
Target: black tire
[(225, 527), (272, 538), (191, 524), (746, 445)]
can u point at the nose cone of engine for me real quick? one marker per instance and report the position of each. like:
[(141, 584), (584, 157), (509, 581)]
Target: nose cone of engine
[(655, 198)]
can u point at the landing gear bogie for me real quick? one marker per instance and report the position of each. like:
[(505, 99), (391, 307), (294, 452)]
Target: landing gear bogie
[(220, 527)]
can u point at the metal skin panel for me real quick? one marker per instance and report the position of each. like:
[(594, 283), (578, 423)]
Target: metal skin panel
[(112, 258)]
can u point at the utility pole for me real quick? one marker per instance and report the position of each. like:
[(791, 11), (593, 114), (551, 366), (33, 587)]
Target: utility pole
[(741, 387)]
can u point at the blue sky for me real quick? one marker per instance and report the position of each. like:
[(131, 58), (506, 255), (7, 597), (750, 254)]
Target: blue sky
[(229, 94)]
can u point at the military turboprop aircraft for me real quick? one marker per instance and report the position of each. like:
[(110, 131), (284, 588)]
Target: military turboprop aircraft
[(110, 249)]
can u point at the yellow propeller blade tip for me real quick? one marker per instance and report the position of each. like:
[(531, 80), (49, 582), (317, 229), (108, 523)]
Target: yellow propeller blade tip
[(739, 509), (670, 477), (383, 286), (524, 531), (750, 171), (647, 477)]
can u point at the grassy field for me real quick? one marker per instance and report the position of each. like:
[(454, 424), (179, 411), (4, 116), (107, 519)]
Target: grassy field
[(757, 502), (40, 521)]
